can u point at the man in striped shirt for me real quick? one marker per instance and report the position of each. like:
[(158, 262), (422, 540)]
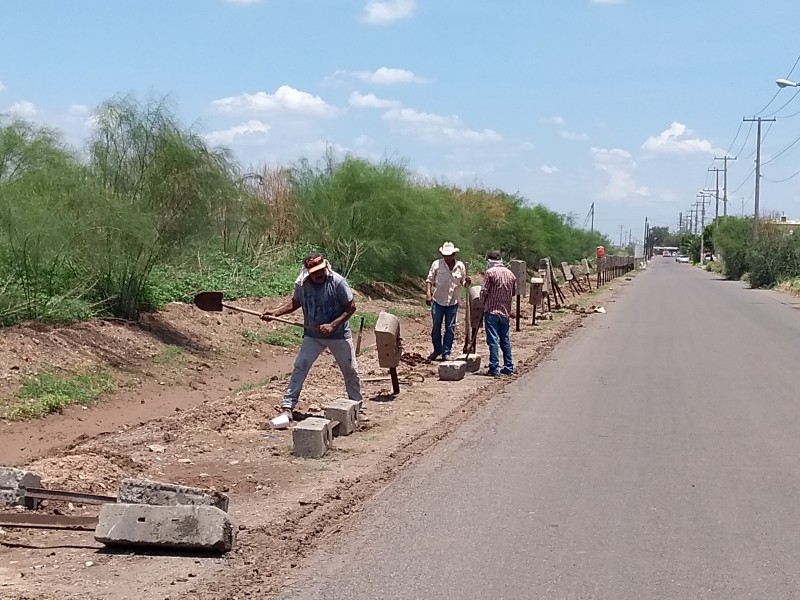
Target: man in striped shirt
[(498, 290)]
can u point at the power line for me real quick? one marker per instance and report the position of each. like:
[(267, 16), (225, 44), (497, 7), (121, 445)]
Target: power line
[(792, 176), (772, 114)]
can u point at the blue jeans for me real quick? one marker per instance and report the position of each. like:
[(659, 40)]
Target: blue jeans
[(345, 356), (497, 338), (446, 314)]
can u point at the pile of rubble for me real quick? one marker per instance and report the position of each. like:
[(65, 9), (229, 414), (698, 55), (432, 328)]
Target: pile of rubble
[(142, 514)]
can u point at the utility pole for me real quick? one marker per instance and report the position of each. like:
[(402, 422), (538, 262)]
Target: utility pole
[(758, 171), (680, 221), (592, 229), (646, 239), (716, 210), (725, 158), (703, 195), (620, 236)]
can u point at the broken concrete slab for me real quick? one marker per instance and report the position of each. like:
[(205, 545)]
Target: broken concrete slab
[(312, 437), (13, 483), (345, 411), (473, 362), (184, 527), (143, 491), (452, 370)]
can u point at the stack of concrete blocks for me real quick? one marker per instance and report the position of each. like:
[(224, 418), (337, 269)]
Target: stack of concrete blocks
[(13, 485), (165, 515)]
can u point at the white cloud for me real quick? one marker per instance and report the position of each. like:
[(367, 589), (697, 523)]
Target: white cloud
[(573, 136), (678, 140), (608, 2), (359, 100), (387, 76), (437, 128), (556, 120), (617, 165), (285, 100), (252, 129), (380, 12), (78, 110), (23, 109), (549, 169)]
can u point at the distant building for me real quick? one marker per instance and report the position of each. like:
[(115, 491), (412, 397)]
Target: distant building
[(786, 225)]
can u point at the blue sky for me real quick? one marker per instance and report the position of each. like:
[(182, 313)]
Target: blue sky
[(624, 103)]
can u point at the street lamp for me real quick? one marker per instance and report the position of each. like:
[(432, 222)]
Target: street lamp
[(782, 83)]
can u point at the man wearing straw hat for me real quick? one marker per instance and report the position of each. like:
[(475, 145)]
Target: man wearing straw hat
[(328, 304), (446, 278)]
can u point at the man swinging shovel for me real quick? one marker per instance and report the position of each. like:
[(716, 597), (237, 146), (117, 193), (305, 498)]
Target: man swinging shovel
[(327, 303)]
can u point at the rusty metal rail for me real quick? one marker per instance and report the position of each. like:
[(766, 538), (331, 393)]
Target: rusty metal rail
[(66, 496), (33, 520)]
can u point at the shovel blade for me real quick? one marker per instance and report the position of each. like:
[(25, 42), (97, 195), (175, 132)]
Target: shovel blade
[(209, 301)]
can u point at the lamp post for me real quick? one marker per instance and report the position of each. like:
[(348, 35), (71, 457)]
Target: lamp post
[(782, 83)]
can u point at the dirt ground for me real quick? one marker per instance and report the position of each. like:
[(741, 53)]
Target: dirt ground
[(201, 419)]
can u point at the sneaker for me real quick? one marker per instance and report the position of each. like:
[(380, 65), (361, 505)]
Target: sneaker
[(445, 357), (491, 374), (433, 356), (507, 371)]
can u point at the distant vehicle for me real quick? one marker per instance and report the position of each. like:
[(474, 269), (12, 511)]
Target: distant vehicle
[(667, 253), (681, 258)]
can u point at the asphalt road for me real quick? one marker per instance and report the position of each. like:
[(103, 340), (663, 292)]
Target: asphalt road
[(654, 456)]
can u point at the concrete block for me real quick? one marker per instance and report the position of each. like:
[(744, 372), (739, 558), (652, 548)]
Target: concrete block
[(452, 370), (537, 290), (184, 527), (312, 437), (387, 340), (520, 270), (13, 483), (475, 307), (473, 362), (142, 491), (346, 412)]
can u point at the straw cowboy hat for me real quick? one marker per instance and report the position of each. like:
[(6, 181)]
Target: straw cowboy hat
[(448, 249)]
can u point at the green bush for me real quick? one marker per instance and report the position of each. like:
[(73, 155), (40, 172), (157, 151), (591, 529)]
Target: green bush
[(152, 214), (732, 238)]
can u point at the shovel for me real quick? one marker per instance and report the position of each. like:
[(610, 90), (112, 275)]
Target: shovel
[(212, 302)]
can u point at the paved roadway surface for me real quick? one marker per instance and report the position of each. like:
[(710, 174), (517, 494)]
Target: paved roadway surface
[(656, 455)]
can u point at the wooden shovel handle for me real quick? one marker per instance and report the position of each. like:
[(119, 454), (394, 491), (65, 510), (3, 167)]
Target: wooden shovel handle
[(258, 314)]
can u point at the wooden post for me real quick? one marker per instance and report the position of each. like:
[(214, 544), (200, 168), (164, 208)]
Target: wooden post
[(518, 312), (533, 319), (358, 341), (395, 381)]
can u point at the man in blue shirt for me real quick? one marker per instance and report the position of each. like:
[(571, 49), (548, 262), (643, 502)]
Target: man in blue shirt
[(327, 303)]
